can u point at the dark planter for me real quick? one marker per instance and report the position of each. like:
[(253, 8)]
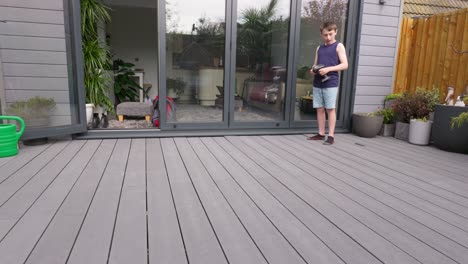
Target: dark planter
[(402, 131), (366, 126), (453, 140)]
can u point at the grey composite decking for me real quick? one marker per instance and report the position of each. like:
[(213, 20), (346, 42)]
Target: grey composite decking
[(252, 199)]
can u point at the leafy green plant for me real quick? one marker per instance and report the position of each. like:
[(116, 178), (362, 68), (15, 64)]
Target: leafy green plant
[(125, 88), (256, 30), (34, 108), (431, 97), (177, 85), (388, 115), (393, 96), (458, 121), (96, 54), (417, 105)]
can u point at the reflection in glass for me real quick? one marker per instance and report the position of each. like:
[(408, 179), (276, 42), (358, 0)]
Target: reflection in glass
[(313, 14), (195, 40), (261, 60)]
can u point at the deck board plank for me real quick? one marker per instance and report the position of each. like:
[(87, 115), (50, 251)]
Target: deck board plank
[(164, 237), (129, 243), (18, 243), (94, 240)]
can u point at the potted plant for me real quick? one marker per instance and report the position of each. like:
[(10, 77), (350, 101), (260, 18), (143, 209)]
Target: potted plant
[(423, 103), (367, 124), (420, 131), (125, 88), (35, 111), (175, 87), (403, 113), (450, 128), (389, 99), (388, 128), (413, 106)]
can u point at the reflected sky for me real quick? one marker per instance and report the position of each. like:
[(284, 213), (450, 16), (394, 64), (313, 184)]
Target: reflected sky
[(187, 12)]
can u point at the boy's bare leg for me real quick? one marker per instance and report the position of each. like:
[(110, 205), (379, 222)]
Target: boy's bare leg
[(331, 122), (321, 120)]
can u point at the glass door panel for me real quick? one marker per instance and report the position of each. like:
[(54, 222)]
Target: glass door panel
[(313, 14), (195, 55), (261, 60)]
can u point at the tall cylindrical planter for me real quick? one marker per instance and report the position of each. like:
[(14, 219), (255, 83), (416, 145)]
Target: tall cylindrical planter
[(367, 126), (419, 132), (443, 136)]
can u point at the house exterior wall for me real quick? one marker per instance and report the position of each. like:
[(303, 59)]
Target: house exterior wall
[(377, 53), (33, 54)]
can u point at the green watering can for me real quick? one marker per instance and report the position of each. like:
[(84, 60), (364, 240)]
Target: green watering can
[(9, 137)]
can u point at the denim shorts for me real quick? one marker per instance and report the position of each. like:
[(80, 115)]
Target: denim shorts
[(325, 97)]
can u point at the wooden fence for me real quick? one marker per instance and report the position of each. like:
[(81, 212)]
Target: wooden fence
[(433, 53)]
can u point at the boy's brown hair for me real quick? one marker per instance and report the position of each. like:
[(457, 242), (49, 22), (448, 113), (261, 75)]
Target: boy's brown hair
[(329, 25)]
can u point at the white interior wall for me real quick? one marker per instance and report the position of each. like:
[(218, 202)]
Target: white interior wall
[(133, 38)]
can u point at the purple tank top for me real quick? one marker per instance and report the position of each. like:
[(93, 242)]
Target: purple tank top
[(327, 56)]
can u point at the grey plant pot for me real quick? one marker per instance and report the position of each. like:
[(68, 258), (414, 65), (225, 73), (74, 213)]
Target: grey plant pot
[(419, 132), (366, 126), (388, 130), (402, 131)]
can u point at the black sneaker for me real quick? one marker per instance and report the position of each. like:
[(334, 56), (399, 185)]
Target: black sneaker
[(329, 141), (316, 137)]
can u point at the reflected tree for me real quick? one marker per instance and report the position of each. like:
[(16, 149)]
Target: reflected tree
[(319, 11)]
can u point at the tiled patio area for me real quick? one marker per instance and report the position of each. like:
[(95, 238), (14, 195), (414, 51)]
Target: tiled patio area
[(256, 199)]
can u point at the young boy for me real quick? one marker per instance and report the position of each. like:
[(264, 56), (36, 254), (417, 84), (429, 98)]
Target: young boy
[(332, 55)]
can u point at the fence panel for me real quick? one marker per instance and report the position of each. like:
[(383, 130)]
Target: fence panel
[(433, 53)]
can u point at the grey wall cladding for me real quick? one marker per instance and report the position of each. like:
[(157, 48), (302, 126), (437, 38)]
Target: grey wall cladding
[(378, 44), (33, 53)]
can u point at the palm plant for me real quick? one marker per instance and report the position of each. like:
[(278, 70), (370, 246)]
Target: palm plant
[(255, 33), (96, 54)]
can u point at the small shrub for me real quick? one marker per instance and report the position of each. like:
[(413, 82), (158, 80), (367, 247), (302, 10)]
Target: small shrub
[(393, 96), (417, 105), (388, 115), (459, 120)]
